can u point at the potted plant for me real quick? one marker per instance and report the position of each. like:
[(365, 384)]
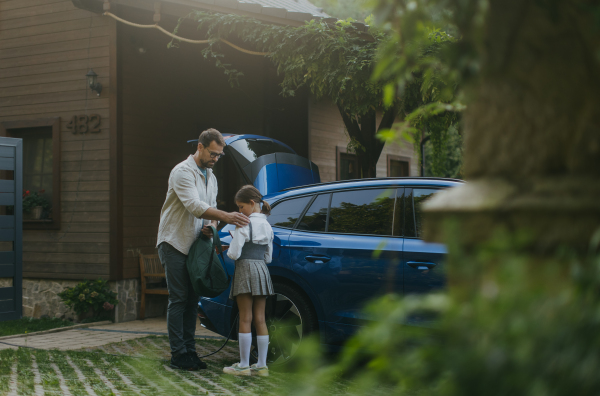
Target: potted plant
[(35, 203), (90, 299)]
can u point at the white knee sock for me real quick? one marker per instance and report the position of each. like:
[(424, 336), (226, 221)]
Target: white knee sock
[(245, 340), (263, 348)]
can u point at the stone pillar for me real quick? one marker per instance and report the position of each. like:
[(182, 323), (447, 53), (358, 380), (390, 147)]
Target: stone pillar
[(128, 294)]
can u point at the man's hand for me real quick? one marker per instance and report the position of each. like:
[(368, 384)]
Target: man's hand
[(206, 230), (237, 219)]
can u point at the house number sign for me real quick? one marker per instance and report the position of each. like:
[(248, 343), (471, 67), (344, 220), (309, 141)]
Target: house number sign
[(84, 124)]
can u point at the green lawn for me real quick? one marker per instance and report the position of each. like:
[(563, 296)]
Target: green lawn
[(29, 325)]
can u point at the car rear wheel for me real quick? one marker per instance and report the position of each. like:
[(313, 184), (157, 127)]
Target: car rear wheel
[(290, 318)]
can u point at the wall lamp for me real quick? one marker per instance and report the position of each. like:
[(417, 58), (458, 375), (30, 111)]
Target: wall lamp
[(92, 80)]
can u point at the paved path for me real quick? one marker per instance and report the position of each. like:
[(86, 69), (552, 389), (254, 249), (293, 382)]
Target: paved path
[(99, 335)]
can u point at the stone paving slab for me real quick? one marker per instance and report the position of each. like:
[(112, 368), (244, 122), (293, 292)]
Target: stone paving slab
[(98, 335)]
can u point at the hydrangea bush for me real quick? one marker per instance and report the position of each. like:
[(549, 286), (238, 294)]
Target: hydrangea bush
[(89, 295)]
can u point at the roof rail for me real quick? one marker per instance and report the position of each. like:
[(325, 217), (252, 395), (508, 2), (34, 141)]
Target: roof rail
[(373, 178)]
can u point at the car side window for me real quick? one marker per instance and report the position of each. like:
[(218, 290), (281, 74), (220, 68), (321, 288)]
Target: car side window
[(315, 218), (369, 211), (286, 213), (413, 215)]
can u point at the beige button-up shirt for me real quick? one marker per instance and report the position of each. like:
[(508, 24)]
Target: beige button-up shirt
[(188, 197)]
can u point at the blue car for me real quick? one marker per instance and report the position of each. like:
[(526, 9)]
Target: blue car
[(324, 267)]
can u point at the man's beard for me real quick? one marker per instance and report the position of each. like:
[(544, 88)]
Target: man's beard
[(207, 164)]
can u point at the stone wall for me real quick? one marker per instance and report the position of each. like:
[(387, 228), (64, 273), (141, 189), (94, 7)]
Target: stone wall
[(6, 282), (40, 298)]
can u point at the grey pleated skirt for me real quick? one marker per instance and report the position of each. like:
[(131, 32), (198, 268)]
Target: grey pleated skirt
[(251, 276)]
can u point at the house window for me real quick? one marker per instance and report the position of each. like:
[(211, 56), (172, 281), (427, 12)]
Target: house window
[(37, 160), (398, 166), (41, 167), (347, 165)]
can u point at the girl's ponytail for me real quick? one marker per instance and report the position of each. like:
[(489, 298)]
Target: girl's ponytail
[(266, 208)]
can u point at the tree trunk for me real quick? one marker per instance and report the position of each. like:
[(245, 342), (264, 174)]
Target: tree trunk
[(532, 129), (364, 130)]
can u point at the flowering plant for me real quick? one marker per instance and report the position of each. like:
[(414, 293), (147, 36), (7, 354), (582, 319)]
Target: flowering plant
[(33, 199), (94, 295)]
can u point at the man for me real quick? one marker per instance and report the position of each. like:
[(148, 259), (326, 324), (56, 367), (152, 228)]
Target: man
[(190, 207)]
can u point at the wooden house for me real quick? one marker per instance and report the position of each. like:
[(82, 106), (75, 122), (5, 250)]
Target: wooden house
[(103, 157)]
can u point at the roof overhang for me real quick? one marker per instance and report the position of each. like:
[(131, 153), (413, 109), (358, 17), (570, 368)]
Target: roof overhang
[(180, 8)]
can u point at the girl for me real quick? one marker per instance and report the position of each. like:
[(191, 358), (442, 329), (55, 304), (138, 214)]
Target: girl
[(251, 247)]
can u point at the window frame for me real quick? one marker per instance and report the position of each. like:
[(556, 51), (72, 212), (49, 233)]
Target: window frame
[(10, 129), (338, 161), (391, 158)]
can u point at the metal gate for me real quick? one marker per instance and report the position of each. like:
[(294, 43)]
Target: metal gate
[(11, 228)]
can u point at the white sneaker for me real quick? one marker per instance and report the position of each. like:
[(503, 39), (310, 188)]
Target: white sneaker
[(236, 369), (260, 371)]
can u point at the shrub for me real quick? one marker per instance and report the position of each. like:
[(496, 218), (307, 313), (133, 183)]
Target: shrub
[(510, 323), (88, 295)]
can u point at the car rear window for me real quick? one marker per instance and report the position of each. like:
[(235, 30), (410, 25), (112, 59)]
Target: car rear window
[(315, 218), (286, 213), (368, 212)]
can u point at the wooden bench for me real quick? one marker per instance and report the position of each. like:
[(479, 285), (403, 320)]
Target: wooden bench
[(152, 274)]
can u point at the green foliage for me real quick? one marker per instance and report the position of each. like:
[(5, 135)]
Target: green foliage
[(333, 60), (33, 199), (449, 162), (30, 325), (428, 88), (88, 295), (362, 72), (510, 324)]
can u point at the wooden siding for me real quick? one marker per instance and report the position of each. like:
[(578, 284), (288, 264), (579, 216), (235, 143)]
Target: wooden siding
[(327, 132), (46, 48)]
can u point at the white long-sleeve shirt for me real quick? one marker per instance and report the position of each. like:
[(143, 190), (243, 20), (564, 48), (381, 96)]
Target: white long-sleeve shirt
[(262, 234), (188, 197)]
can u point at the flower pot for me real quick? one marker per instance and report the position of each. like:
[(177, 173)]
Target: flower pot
[(36, 212)]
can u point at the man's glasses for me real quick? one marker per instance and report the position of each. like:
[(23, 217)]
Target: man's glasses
[(214, 155)]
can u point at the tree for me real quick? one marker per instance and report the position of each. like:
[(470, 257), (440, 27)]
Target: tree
[(336, 61), (520, 314), (530, 77)]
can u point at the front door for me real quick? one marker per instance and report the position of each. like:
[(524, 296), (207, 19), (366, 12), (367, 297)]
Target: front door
[(11, 228)]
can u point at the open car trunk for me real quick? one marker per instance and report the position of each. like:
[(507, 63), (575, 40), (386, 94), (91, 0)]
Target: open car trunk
[(269, 164)]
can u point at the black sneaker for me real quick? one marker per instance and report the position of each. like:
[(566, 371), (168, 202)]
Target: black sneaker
[(199, 363), (183, 361)]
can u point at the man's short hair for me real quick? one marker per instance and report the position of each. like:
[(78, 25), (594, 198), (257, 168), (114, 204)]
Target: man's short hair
[(209, 136)]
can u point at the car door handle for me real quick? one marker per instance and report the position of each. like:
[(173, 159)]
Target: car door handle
[(421, 265), (317, 259)]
